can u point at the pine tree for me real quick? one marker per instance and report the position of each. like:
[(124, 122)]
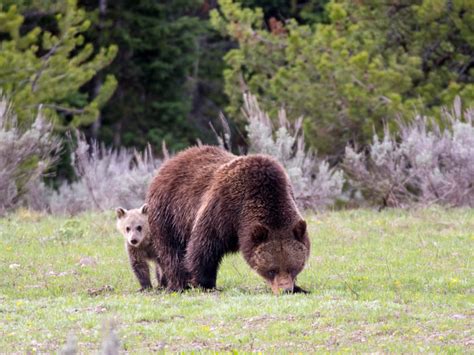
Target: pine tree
[(370, 62), (48, 67)]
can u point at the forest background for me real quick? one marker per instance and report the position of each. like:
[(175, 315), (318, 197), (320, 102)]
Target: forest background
[(131, 73)]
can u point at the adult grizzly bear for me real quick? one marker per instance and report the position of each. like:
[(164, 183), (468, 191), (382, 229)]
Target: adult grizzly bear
[(206, 202)]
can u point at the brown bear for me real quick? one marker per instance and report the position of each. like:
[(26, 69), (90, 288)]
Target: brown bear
[(206, 202), (133, 224)]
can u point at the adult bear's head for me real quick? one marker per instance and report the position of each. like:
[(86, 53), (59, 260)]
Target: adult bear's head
[(278, 255)]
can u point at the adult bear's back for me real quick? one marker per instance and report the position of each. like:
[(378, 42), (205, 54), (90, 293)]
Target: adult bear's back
[(175, 193)]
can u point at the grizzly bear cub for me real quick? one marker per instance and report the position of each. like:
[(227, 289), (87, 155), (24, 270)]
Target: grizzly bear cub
[(206, 202), (133, 224)]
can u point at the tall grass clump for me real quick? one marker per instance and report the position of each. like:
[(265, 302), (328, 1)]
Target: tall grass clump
[(316, 185), (425, 163), (107, 178), (25, 155)]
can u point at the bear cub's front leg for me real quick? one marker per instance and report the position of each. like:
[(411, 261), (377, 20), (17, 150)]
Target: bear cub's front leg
[(142, 272)]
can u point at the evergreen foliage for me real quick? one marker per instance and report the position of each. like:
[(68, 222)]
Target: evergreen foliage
[(157, 51), (49, 67), (371, 61), (131, 73), (166, 59), (304, 11)]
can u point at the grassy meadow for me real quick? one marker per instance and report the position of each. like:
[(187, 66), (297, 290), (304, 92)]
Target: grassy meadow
[(390, 281)]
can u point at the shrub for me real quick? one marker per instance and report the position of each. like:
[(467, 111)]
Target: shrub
[(315, 184), (425, 163), (107, 179), (25, 155)]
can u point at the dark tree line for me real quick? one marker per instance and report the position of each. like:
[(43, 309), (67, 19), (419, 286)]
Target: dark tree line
[(169, 67), (132, 72)]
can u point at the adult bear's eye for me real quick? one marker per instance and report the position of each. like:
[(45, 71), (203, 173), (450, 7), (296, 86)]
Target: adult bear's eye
[(139, 228), (128, 229), (272, 273)]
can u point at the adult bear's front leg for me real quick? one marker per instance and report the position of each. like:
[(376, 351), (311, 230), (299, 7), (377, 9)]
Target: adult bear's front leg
[(203, 256), (139, 266), (174, 275)]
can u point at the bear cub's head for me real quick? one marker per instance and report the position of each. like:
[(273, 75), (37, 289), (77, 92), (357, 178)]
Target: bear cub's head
[(133, 224), (279, 255)]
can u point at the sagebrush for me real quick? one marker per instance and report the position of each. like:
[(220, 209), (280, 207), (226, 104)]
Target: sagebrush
[(316, 185), (26, 153), (107, 178), (426, 162)]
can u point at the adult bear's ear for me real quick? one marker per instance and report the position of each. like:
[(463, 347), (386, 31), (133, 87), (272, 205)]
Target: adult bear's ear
[(121, 212), (299, 230), (144, 209), (259, 234)]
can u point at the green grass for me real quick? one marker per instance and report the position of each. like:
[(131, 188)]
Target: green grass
[(392, 281)]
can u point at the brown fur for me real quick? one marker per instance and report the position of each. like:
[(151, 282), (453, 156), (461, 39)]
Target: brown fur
[(133, 224), (206, 202)]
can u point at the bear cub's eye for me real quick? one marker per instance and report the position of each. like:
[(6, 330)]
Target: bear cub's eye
[(128, 229), (139, 228), (272, 273)]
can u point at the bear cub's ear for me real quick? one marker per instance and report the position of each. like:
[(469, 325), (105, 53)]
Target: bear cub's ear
[(259, 234), (299, 230), (144, 209), (120, 212)]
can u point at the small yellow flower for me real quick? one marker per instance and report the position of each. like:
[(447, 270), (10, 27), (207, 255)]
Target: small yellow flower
[(453, 281), (19, 303)]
